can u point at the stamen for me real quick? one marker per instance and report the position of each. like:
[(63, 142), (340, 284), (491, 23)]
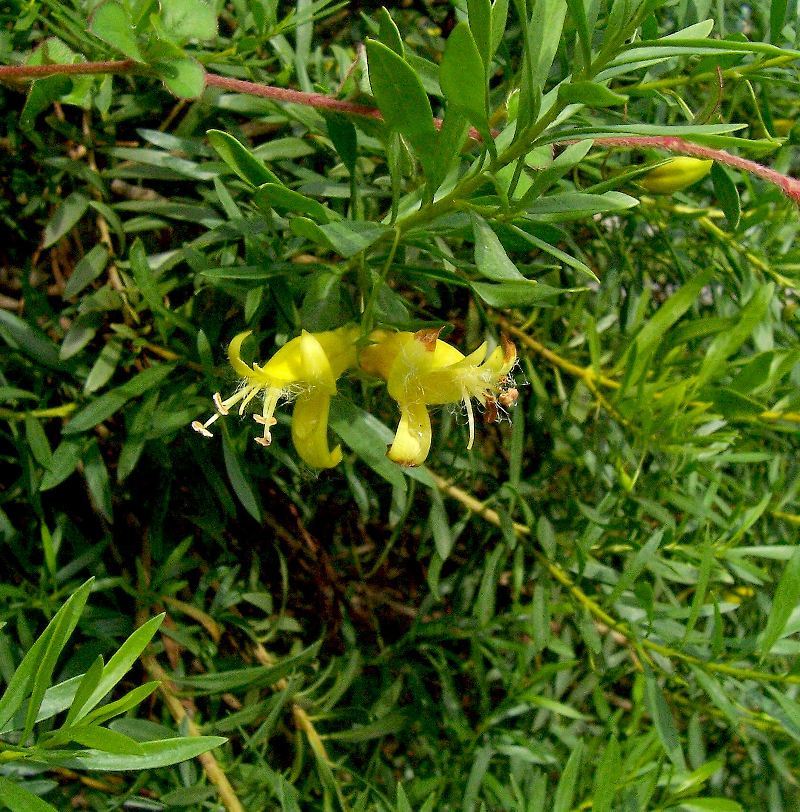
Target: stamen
[(266, 419), (470, 418), (223, 406), (252, 391), (201, 429)]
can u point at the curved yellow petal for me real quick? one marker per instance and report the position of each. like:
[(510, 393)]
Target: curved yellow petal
[(316, 367), (413, 439), (235, 355), (378, 357), (340, 347), (310, 430)]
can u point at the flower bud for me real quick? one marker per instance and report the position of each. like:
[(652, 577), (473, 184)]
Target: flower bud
[(674, 175)]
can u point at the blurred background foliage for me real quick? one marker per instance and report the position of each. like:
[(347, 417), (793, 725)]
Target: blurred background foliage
[(594, 608)]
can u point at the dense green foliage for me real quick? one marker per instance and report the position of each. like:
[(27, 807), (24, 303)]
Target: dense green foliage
[(596, 606)]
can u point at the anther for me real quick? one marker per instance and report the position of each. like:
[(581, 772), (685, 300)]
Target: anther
[(491, 414), (201, 429), (264, 421), (509, 397), (221, 407), (265, 441)]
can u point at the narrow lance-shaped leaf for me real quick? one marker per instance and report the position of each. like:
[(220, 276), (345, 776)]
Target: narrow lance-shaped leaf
[(664, 722), (463, 79), (787, 596), (402, 101), (121, 662), (63, 625), (246, 165)]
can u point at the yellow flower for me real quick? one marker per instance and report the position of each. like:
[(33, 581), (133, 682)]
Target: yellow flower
[(421, 371), (305, 369), (674, 175)]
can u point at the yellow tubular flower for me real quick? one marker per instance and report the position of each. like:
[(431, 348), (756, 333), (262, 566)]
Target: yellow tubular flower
[(421, 371), (307, 368)]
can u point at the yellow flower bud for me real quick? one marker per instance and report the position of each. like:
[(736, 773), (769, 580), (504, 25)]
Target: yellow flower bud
[(674, 175)]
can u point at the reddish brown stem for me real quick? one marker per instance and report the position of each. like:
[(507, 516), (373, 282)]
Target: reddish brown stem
[(282, 94), (788, 185), (80, 68)]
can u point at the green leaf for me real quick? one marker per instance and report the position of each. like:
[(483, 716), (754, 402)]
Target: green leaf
[(727, 195), (728, 342), (565, 791), (279, 197), (96, 475), (64, 461), (784, 602), (516, 294), (106, 405), (222, 681), (18, 799), (440, 526), (121, 705), (185, 77), (65, 218), (84, 690), (249, 168), (112, 23), (578, 11), (30, 340), (491, 258), (86, 271), (499, 21), (777, 18), (606, 780), (649, 338), (345, 139), (663, 721), (106, 741), (368, 437), (480, 23), (154, 754), (42, 94), (61, 628), (591, 94), (568, 260), (38, 442), (120, 663), (189, 19), (717, 694), (710, 805), (635, 565), (347, 237), (578, 205), (542, 38), (103, 368), (402, 101), (463, 78), (237, 476), (387, 725), (388, 32)]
